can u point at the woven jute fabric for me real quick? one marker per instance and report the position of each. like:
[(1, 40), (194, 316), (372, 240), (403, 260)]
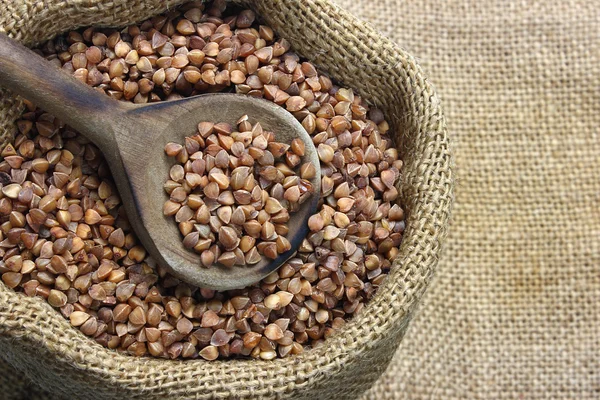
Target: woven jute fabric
[(37, 342), (514, 311)]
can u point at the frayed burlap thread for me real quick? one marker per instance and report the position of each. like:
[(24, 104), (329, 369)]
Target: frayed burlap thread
[(42, 346)]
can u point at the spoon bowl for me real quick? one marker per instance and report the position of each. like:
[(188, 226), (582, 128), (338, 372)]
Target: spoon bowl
[(147, 167), (132, 138)]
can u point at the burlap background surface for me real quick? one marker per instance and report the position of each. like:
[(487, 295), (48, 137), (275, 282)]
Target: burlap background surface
[(41, 346), (514, 311)]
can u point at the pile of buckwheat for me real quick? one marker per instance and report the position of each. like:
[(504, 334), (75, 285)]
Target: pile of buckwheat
[(64, 235), (231, 193)]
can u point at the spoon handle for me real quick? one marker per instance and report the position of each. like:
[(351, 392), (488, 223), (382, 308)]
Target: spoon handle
[(73, 102)]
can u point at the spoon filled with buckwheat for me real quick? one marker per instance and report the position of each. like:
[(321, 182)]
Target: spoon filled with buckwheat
[(218, 187)]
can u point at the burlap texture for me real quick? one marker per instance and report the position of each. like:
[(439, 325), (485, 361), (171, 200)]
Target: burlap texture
[(40, 344), (514, 311)]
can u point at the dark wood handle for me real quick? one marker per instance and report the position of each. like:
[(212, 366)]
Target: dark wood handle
[(34, 78)]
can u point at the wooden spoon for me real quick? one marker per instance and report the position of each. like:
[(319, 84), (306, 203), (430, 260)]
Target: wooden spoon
[(132, 138)]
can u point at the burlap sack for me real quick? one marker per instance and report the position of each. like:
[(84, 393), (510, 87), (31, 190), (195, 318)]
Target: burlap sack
[(41, 345)]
